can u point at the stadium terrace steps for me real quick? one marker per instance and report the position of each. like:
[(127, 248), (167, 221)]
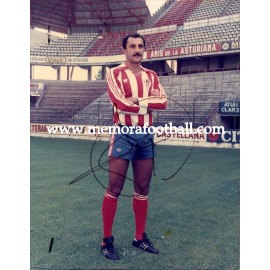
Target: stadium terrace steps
[(234, 8), (208, 9), (64, 98), (89, 46), (155, 41), (73, 45), (192, 97), (101, 48), (172, 38), (98, 112), (226, 7), (206, 34), (157, 17), (158, 14), (178, 13), (197, 97)]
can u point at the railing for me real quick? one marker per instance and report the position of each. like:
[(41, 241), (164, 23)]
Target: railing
[(196, 107), (192, 94)]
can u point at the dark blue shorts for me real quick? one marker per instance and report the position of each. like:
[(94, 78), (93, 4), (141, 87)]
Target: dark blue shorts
[(132, 146)]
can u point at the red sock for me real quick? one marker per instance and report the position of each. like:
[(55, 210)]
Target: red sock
[(140, 206), (109, 207)]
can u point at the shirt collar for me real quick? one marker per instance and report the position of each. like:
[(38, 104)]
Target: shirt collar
[(123, 65)]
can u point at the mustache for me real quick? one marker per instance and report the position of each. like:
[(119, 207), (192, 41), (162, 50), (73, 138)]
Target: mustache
[(137, 54)]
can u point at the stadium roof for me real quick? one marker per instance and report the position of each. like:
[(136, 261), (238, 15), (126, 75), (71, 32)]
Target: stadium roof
[(61, 15)]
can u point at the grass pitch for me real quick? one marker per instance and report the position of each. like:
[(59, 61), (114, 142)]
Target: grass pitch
[(193, 217)]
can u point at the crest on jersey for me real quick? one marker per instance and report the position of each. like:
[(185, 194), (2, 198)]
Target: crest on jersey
[(147, 83), (125, 80)]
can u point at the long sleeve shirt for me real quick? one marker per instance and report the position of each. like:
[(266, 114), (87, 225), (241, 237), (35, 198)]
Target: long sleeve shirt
[(122, 83)]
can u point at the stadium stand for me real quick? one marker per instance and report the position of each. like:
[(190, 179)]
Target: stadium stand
[(178, 13), (157, 15), (195, 97), (234, 8), (101, 48), (73, 45), (176, 24), (62, 99), (208, 9), (196, 83), (156, 40), (206, 34), (97, 113), (192, 97)]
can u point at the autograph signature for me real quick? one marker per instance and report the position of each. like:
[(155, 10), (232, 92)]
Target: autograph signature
[(102, 165)]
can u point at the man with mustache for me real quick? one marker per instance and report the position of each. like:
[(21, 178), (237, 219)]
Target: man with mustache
[(134, 92)]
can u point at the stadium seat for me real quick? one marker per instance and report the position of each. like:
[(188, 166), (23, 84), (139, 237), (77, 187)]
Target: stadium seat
[(70, 46)]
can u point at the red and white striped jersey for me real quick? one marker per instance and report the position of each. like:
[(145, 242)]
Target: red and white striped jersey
[(123, 83)]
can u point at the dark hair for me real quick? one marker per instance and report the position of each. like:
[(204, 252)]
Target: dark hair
[(136, 35)]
